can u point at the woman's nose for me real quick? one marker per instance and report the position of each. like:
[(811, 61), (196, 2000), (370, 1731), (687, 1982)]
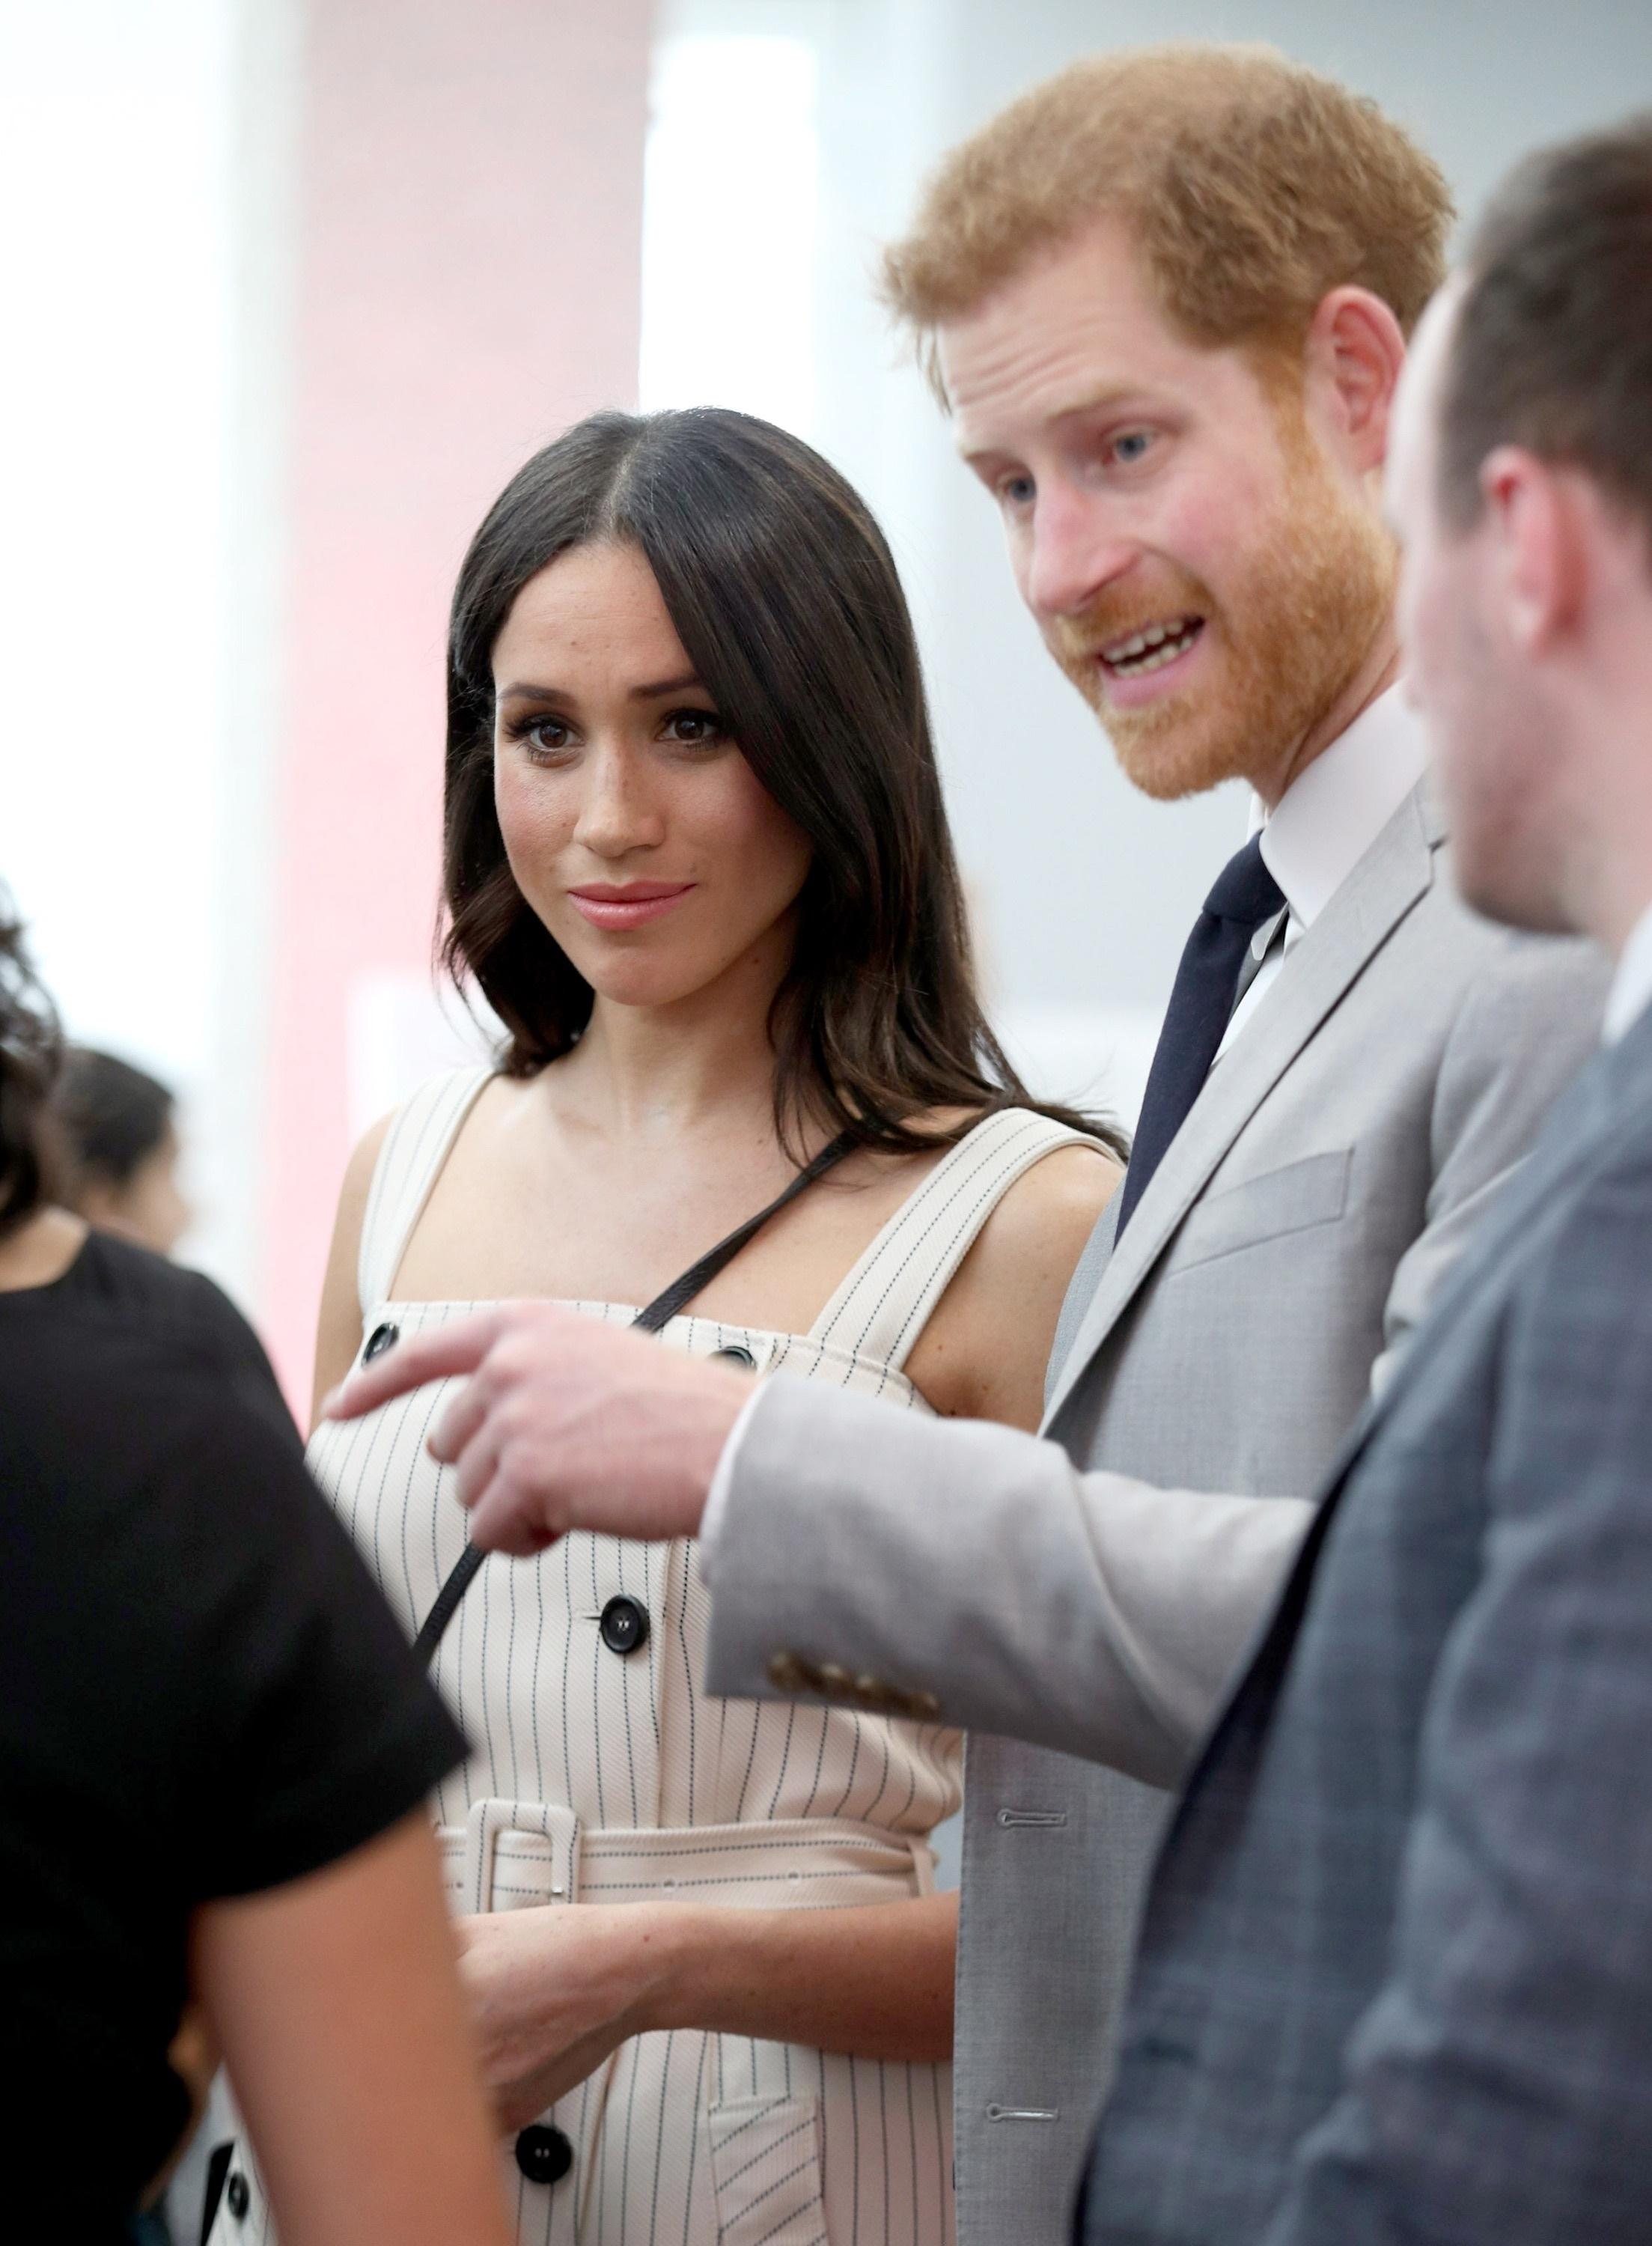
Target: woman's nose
[(618, 814)]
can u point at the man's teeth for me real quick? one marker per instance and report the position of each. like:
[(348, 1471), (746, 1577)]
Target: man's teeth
[(1151, 649)]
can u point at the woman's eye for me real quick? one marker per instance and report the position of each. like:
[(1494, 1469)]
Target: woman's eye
[(1130, 448), (548, 735), (694, 728), (1016, 491)]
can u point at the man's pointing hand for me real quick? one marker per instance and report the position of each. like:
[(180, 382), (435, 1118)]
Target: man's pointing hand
[(564, 1423)]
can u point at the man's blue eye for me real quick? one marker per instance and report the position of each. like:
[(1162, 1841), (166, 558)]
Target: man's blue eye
[(1131, 448)]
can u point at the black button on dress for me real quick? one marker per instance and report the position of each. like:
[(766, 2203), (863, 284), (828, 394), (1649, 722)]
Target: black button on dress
[(543, 2154), (624, 1624)]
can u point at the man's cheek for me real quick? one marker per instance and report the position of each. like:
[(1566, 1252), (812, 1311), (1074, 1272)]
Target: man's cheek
[(1423, 637)]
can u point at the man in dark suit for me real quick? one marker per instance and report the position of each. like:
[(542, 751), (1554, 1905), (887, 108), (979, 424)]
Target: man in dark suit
[(1395, 1979)]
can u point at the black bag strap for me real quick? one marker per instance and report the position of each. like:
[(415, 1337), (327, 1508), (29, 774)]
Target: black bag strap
[(658, 1314)]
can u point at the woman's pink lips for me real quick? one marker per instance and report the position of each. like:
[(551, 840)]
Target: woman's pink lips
[(628, 906)]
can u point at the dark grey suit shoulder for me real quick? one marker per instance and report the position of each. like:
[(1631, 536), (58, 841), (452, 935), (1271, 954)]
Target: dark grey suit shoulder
[(1396, 1980)]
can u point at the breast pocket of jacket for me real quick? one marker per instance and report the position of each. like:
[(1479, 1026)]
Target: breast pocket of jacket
[(765, 2170), (1293, 1199)]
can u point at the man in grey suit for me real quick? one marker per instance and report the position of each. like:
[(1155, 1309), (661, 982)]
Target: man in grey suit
[(1191, 515), (1396, 1975)]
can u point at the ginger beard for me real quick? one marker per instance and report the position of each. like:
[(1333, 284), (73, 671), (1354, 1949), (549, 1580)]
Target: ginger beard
[(1311, 598)]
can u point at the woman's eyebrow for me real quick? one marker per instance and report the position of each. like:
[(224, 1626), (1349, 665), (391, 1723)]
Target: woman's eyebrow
[(653, 690), (657, 688), (521, 691)]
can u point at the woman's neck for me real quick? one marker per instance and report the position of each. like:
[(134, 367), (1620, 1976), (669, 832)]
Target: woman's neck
[(40, 1250), (706, 1063)]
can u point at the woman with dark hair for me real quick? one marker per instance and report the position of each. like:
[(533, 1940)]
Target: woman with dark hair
[(698, 862), (119, 1131), (213, 1752)]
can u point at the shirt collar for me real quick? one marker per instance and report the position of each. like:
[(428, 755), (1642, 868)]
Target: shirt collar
[(1330, 814), (1632, 985)]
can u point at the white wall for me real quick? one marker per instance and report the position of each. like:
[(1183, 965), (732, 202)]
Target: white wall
[(134, 416)]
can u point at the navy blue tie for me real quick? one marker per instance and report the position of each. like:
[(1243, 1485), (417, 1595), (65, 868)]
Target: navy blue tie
[(1245, 894)]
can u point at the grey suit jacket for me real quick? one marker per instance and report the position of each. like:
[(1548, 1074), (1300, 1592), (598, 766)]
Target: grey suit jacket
[(1090, 1594), (1396, 1976)]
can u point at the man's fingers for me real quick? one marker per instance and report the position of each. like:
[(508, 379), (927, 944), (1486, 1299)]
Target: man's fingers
[(429, 1356), (505, 1519), (462, 1415), (476, 1464)]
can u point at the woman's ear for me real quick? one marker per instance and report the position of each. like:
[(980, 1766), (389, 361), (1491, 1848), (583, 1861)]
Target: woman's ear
[(1354, 351)]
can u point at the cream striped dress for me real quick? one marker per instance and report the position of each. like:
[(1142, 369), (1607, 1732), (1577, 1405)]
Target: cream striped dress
[(608, 1776)]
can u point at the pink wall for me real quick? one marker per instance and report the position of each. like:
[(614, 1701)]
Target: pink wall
[(468, 259)]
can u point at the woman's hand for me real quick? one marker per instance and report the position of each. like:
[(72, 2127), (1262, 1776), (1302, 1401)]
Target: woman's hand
[(555, 1990)]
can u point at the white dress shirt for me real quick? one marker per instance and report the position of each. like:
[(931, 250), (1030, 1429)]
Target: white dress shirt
[(1323, 826), (1631, 988), (1317, 833)]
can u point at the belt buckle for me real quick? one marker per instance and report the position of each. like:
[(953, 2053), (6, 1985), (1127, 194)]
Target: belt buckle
[(518, 1855)]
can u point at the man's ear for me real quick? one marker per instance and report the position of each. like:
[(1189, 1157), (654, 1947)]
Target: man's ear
[(1354, 351), (1538, 560)]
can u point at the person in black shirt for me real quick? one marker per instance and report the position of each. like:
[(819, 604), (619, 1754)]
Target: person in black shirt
[(214, 1752)]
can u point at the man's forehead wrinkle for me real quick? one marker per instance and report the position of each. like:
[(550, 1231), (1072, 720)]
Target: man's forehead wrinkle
[(1054, 379), (1006, 378)]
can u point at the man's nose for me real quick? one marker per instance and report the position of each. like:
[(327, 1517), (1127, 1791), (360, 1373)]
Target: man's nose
[(1072, 553), (618, 814)]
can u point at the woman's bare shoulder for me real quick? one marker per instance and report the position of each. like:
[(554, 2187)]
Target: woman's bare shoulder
[(338, 1328), (984, 1350), (1051, 1208), (358, 1171), (1041, 1224)]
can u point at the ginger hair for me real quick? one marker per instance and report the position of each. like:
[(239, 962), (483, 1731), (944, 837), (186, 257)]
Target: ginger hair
[(1251, 186)]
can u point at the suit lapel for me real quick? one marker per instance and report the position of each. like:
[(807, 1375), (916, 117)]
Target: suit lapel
[(1394, 874)]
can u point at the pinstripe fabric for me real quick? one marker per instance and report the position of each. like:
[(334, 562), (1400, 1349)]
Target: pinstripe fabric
[(609, 1779)]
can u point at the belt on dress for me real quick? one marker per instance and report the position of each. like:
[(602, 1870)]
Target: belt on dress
[(517, 1855)]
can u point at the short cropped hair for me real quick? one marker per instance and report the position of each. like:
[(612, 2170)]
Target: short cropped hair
[(1252, 187), (1552, 344)]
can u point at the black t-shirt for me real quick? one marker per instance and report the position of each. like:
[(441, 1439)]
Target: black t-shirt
[(202, 1695)]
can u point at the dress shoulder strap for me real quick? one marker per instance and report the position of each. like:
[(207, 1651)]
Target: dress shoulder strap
[(881, 1307), (409, 1162)]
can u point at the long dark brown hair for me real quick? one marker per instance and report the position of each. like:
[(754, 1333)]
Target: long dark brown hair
[(30, 1056), (786, 600)]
